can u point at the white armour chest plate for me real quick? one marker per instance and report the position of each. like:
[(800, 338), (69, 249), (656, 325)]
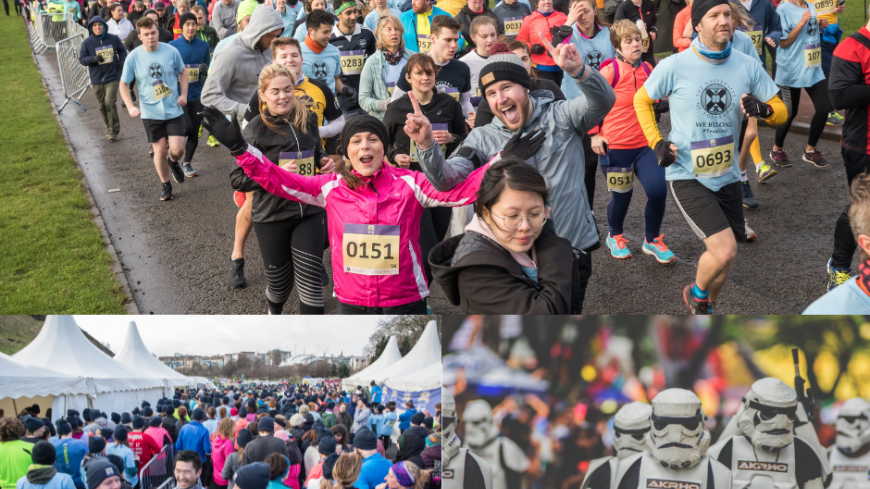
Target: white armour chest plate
[(849, 473), (654, 476), (453, 474), (767, 471)]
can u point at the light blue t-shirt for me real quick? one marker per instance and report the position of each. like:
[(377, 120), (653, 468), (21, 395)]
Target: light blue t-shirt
[(223, 42), (845, 299), (390, 419), (324, 66), (372, 18), (162, 68), (707, 98), (377, 423), (800, 65), (130, 471), (594, 51), (300, 33), (743, 42)]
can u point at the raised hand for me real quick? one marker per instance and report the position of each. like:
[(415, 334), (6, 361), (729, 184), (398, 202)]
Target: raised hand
[(470, 119), (290, 166), (228, 133), (327, 165), (418, 127), (403, 161), (565, 56)]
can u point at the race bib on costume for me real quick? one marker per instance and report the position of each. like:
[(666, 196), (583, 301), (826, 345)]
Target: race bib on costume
[(762, 466), (304, 161), (352, 62), (620, 180), (512, 25), (105, 55), (668, 484), (371, 249), (713, 157), (192, 73), (813, 55), (161, 91)]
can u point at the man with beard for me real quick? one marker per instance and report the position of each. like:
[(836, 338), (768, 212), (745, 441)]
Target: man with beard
[(767, 454), (460, 468), (506, 460), (675, 448), (630, 426), (850, 455)]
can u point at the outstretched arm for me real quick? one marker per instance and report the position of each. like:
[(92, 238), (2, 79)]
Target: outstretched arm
[(462, 194)]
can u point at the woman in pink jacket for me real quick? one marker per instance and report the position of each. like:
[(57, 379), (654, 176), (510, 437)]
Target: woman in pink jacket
[(221, 448), (373, 210)]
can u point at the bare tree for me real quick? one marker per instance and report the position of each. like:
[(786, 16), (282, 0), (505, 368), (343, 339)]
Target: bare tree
[(406, 329)]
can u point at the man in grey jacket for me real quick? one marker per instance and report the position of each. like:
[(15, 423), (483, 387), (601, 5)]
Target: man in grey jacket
[(505, 84), (361, 417), (223, 17)]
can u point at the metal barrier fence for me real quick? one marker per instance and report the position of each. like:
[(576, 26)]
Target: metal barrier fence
[(51, 28), (158, 471), (73, 76)]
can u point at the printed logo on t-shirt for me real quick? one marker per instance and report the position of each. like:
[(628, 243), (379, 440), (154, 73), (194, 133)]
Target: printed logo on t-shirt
[(812, 26), (762, 466), (318, 68), (666, 484), (155, 70), (851, 468), (594, 59), (363, 43), (715, 98)]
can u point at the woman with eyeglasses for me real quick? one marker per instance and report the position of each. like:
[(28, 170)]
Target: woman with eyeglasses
[(509, 260)]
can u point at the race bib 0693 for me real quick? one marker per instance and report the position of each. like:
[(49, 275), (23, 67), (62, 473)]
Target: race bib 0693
[(304, 161), (371, 249), (713, 157)]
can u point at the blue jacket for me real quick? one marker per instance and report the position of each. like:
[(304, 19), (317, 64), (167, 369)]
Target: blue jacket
[(102, 73), (70, 453), (376, 394), (409, 23), (194, 436), (59, 481), (193, 53), (405, 419), (374, 469)]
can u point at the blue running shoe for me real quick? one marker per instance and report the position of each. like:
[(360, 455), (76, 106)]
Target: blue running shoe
[(618, 247), (659, 250)]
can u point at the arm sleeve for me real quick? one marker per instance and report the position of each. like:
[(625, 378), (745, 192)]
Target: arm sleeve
[(643, 106), (462, 194), (282, 183), (586, 112), (845, 83), (214, 89), (332, 128), (465, 102), (215, 22), (780, 112)]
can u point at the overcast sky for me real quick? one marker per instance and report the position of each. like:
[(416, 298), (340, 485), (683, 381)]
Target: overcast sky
[(210, 335)]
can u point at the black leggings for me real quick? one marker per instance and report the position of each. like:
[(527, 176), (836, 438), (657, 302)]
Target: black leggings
[(193, 111), (844, 240), (554, 76), (292, 251), (433, 227), (418, 308), (591, 160), (821, 102), (6, 6)]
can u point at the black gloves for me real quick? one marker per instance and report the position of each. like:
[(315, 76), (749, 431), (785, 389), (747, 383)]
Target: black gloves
[(203, 72), (661, 106), (227, 133), (349, 94), (663, 151), (756, 108), (524, 147), (538, 49)]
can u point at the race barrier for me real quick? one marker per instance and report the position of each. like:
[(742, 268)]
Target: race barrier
[(73, 76), (158, 472)]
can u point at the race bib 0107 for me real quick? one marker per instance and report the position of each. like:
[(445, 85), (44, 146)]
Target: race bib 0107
[(371, 249), (813, 55), (352, 62), (713, 157)]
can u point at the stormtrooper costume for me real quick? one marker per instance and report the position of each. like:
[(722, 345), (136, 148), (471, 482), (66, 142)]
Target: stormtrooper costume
[(459, 467), (675, 446), (630, 426), (504, 457), (767, 454), (850, 455)]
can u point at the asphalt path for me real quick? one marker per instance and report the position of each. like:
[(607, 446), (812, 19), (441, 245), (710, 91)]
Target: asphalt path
[(175, 254)]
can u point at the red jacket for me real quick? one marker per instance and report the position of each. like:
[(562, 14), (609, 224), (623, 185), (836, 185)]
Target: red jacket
[(537, 23)]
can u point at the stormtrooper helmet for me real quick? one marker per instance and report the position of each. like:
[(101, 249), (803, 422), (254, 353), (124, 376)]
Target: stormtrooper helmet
[(630, 426), (769, 412), (449, 441), (480, 429), (677, 437), (853, 425)]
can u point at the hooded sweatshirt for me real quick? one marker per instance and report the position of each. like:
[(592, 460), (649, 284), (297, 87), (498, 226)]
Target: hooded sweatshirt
[(107, 66), (235, 70)]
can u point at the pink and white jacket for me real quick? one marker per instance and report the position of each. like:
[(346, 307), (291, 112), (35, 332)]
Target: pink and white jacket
[(391, 196)]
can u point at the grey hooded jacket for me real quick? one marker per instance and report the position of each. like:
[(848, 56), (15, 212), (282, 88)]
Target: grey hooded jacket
[(560, 159), (223, 18), (232, 77)]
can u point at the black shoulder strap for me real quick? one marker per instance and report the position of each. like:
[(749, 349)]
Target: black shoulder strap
[(861, 38)]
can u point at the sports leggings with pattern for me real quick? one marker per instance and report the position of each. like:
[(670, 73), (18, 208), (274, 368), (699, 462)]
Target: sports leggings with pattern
[(292, 252), (652, 178)]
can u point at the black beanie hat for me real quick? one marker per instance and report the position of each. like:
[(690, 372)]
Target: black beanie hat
[(35, 409), (243, 412), (328, 465), (266, 424), (185, 17), (147, 412), (428, 422), (134, 412), (176, 403), (86, 414), (244, 437), (49, 426), (365, 439), (120, 433), (138, 422), (155, 422), (363, 123), (98, 470), (503, 64), (43, 453), (418, 418), (116, 418), (327, 445), (170, 410), (33, 424), (145, 404), (126, 418), (96, 444), (63, 428), (701, 7), (252, 476)]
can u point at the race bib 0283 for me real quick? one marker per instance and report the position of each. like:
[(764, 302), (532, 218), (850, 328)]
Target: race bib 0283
[(352, 62), (371, 249)]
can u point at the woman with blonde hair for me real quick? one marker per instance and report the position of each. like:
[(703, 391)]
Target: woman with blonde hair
[(222, 449), (345, 472), (382, 69)]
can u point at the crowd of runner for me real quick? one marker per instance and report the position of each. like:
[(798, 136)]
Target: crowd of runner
[(285, 436), (357, 127)]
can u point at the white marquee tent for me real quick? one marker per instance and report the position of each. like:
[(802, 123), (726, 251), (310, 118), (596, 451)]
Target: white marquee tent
[(23, 385), (425, 353), (388, 357), (135, 355), (62, 347), (423, 380)]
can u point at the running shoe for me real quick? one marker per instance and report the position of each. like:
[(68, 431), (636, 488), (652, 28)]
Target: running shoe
[(835, 119), (199, 135), (750, 234), (166, 193), (658, 249), (213, 142), (816, 158), (151, 151), (618, 247), (188, 170), (765, 172), (237, 272), (837, 276), (111, 137), (175, 168), (749, 200), (697, 306), (239, 198), (779, 158)]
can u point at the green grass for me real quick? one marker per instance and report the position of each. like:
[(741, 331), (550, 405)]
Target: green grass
[(52, 257), (853, 17), (16, 332)]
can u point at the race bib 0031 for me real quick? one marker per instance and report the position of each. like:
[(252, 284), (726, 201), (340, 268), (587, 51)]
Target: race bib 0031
[(352, 62), (813, 55), (713, 157), (105, 54), (620, 180), (304, 161), (371, 249), (512, 25), (192, 73)]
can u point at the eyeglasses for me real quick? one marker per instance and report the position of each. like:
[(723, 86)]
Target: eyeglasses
[(514, 221)]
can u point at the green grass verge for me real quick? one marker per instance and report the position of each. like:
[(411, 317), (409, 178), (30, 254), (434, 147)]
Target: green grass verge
[(853, 17), (53, 258)]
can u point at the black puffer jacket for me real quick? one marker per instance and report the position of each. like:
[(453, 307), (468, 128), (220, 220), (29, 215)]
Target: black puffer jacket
[(173, 426), (268, 207), (481, 277)]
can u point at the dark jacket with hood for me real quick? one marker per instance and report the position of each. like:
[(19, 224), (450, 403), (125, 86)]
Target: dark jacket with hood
[(411, 448), (267, 207), (481, 276), (108, 72), (261, 447), (132, 42), (173, 426), (465, 17)]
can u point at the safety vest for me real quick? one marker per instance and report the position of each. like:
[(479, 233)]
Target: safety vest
[(54, 8)]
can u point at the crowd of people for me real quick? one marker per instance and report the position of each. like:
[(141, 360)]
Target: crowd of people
[(289, 436), (358, 126)]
